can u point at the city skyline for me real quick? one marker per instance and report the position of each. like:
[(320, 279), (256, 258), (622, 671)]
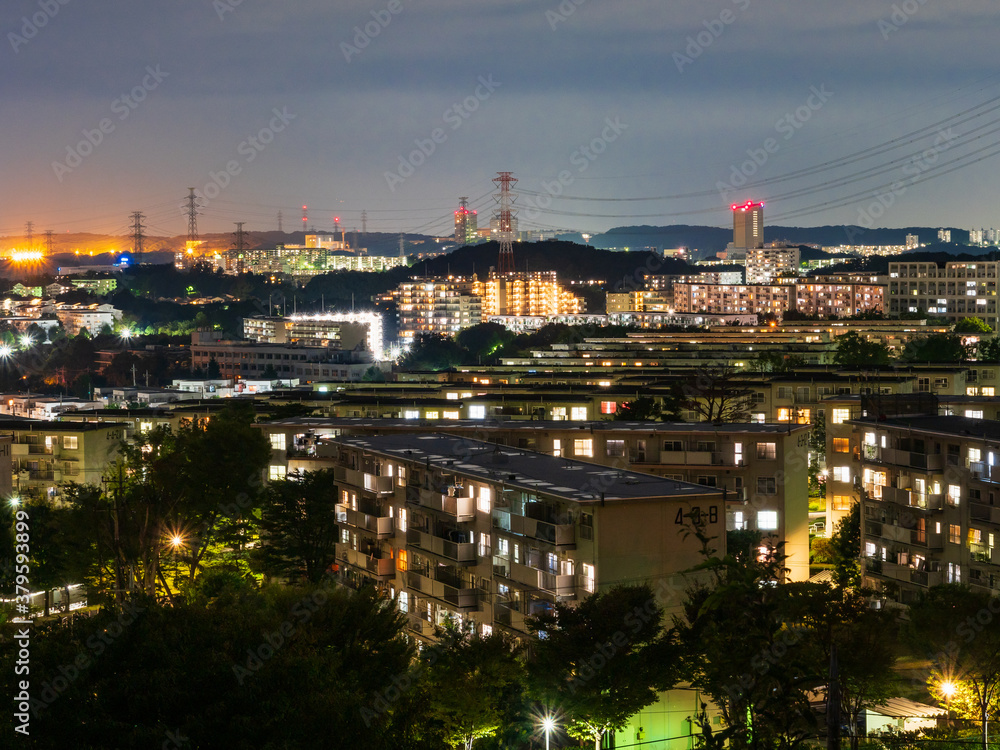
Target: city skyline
[(399, 110)]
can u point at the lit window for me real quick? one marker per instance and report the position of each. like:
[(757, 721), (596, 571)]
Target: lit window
[(401, 560), (954, 533), (784, 414), (559, 413), (404, 600), (988, 390), (578, 413), (485, 497), (766, 451), (277, 441), (449, 414), (275, 473), (411, 414), (841, 445), (402, 519), (974, 413), (841, 415), (842, 473), (954, 494), (557, 447), (477, 412), (609, 407), (583, 448), (71, 442), (614, 447), (432, 415), (767, 520), (484, 544), (589, 576), (738, 521), (841, 502)]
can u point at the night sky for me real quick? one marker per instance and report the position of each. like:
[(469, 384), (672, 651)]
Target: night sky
[(401, 106)]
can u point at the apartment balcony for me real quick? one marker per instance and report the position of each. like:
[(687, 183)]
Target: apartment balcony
[(981, 552), (380, 485), (382, 568), (561, 536), (926, 540), (508, 616), (691, 458), (457, 552), (985, 513), (460, 509), (464, 599), (420, 626), (890, 570), (926, 577), (39, 449), (380, 526), (911, 459), (890, 532)]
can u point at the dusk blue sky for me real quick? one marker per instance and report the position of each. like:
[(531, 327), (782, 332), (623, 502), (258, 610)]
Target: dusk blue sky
[(858, 74)]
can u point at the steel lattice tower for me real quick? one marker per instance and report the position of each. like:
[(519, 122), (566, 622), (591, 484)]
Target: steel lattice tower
[(192, 212), (504, 214), (137, 235)]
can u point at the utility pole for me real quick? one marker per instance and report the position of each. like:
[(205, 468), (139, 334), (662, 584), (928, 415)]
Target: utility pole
[(239, 245), (29, 234), (833, 702), (137, 235)]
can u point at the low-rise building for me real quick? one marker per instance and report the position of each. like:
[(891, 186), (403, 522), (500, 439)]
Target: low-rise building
[(93, 318)]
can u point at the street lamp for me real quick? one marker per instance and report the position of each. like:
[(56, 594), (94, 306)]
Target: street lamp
[(948, 689), (548, 724), (27, 341)]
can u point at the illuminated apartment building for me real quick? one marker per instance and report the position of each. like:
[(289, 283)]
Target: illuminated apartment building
[(437, 305), (527, 293), (953, 291)]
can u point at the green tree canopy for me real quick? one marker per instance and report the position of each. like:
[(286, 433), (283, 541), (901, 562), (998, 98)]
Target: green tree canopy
[(603, 661), (972, 325), (853, 350), (938, 347)]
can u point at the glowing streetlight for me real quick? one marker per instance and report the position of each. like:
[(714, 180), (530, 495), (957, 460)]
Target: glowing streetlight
[(27, 341), (948, 690), (15, 501), (5, 351), (548, 724)]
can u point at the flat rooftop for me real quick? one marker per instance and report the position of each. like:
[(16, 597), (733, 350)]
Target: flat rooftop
[(528, 425), (944, 426), (564, 478)]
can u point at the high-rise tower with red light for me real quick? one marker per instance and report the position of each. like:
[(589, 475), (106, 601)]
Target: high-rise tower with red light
[(466, 223), (748, 225)]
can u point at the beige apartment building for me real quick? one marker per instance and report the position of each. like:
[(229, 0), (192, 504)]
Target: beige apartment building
[(437, 305), (930, 506), (810, 298), (760, 469), (956, 290), (45, 454)]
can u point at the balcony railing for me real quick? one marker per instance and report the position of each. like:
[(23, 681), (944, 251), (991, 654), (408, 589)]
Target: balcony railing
[(562, 536), (980, 552), (380, 526), (911, 459), (380, 485), (691, 458), (460, 509), (460, 552), (380, 567), (926, 540), (460, 598)]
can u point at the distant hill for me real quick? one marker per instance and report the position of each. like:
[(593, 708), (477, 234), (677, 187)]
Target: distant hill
[(709, 240), (569, 259)]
